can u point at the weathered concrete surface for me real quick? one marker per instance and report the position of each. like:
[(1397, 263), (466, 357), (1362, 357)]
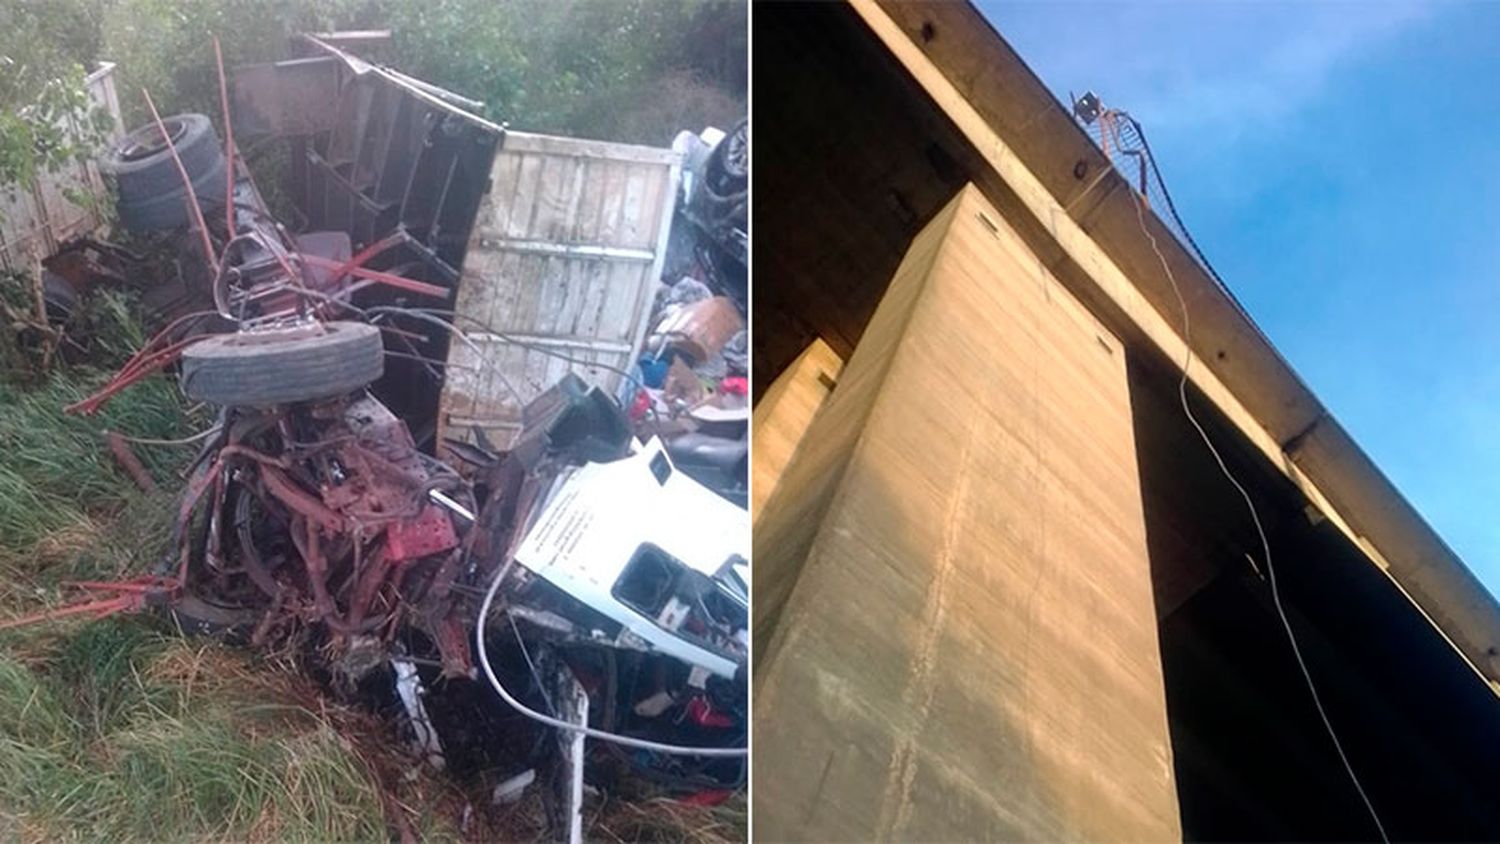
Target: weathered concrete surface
[(955, 636), (783, 414)]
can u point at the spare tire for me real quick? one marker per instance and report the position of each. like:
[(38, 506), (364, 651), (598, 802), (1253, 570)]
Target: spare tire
[(169, 210), (284, 365), (142, 165)]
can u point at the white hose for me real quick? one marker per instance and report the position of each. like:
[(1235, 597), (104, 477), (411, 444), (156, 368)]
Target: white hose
[(484, 662)]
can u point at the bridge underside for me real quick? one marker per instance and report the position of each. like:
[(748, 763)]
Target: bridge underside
[(859, 623)]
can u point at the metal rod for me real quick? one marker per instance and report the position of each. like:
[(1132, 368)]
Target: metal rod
[(228, 142), (397, 281), (192, 195)]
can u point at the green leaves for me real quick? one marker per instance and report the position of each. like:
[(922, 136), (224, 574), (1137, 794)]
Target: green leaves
[(627, 70), (631, 70), (47, 119)]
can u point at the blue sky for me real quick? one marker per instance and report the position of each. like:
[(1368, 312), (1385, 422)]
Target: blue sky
[(1339, 164)]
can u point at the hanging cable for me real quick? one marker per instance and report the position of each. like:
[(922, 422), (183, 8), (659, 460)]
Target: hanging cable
[(201, 435), (501, 336), (1260, 530)]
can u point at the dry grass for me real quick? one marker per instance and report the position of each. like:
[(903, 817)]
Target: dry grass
[(665, 820), (97, 742)]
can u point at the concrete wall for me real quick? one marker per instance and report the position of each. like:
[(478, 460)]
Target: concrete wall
[(954, 623), (783, 414)]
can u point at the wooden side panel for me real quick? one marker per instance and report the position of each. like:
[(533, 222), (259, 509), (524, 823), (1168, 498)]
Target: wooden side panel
[(35, 222), (968, 650), (563, 262)]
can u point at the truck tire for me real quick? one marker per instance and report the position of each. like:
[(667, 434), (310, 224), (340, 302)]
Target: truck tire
[(142, 166), (727, 172), (169, 210), (196, 616), (280, 366), (61, 298)]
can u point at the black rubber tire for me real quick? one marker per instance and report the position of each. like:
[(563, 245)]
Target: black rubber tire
[(140, 176), (195, 616), (727, 171), (281, 366), (61, 298), (169, 210)]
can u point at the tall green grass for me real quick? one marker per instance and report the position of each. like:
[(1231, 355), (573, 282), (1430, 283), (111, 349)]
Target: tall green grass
[(104, 734), (124, 732), (55, 469)]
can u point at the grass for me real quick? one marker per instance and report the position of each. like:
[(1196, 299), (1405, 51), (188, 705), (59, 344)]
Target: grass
[(55, 472), (121, 729), (124, 731)]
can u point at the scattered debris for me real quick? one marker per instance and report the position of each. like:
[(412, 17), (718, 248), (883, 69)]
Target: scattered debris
[(663, 560), (698, 330), (130, 463), (567, 606), (712, 234)]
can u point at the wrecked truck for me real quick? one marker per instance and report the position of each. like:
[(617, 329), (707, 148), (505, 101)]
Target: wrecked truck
[(436, 469)]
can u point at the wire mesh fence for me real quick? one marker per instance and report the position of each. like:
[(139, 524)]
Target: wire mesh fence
[(1123, 141)]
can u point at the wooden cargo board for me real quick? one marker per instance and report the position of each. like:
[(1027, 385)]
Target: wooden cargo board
[(562, 265)]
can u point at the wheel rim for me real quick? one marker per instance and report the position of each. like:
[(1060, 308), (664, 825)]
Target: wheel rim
[(149, 141), (737, 151)]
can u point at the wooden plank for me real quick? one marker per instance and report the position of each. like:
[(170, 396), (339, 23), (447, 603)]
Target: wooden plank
[(566, 254), (490, 240), (595, 284), (575, 148), (523, 203), (968, 650), (586, 223), (612, 205), (632, 211), (505, 175)]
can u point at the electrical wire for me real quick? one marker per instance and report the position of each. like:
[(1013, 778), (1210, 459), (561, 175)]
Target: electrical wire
[(590, 732), (534, 347), (636, 383), (1180, 228), (201, 435), (1254, 517), (458, 333), (1172, 209)]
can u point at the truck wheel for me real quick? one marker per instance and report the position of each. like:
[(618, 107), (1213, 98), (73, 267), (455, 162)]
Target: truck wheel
[(280, 366), (169, 210), (142, 166), (727, 173), (61, 297), (197, 616)]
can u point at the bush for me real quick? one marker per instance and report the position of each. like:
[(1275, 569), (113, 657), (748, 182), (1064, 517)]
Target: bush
[(583, 68), (166, 46), (577, 67), (46, 117)]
